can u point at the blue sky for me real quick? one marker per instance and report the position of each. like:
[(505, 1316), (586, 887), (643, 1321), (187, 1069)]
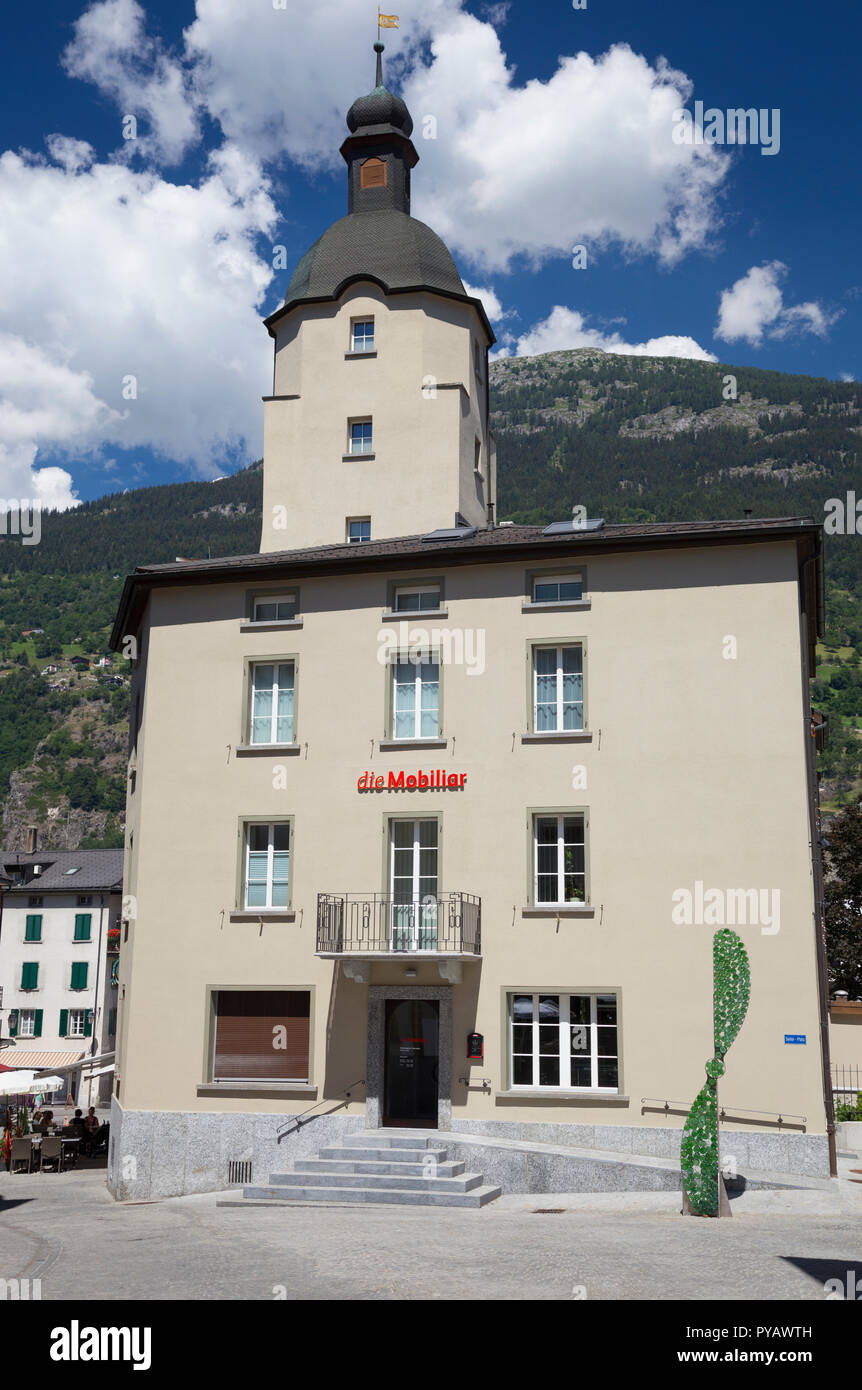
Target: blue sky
[(134, 272)]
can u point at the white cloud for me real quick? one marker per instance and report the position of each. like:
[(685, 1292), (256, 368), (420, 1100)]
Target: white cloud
[(567, 328), (118, 273), (112, 48), (754, 306), (846, 376), (490, 300)]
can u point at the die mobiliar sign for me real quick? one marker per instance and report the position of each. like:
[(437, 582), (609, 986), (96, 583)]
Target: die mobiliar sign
[(437, 780)]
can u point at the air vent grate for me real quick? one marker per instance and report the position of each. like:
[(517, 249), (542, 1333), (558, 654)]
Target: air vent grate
[(238, 1172)]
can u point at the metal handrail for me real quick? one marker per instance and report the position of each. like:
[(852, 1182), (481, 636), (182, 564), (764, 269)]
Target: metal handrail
[(779, 1115), (298, 1119)]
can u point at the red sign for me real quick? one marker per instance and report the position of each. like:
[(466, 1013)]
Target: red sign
[(437, 780)]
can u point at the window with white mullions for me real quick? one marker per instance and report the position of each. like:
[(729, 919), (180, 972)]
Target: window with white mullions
[(275, 608), (272, 702), (415, 599), (360, 437), (564, 1041), (559, 858), (26, 1023), (558, 688), (267, 865), (362, 335), (413, 885), (416, 699), (77, 1023)]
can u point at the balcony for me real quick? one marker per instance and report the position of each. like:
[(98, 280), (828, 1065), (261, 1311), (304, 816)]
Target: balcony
[(375, 926)]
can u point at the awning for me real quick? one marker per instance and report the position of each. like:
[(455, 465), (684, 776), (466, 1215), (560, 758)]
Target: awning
[(100, 1071), (45, 1059)]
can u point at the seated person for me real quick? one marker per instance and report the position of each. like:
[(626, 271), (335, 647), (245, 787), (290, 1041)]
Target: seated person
[(47, 1122)]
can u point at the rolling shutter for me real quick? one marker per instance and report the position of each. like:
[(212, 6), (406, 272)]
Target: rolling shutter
[(262, 1035)]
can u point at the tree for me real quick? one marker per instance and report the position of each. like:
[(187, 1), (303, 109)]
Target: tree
[(82, 787), (843, 900)]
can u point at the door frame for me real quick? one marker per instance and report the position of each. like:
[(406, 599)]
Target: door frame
[(376, 1067), (387, 1119)]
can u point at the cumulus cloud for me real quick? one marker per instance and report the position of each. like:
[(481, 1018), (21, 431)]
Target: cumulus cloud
[(754, 307), (110, 46), (490, 300), (567, 328), (119, 275)]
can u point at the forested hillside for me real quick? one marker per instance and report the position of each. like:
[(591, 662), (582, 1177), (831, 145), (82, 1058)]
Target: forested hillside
[(628, 438)]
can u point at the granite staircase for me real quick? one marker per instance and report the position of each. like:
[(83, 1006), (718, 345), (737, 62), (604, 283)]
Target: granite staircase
[(399, 1167)]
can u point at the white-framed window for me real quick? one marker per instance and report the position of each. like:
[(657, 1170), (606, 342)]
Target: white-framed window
[(559, 859), (413, 884), (419, 598), (272, 702), (558, 588), (558, 688), (563, 1041), (274, 608), (358, 529), (360, 437), (26, 1023), (77, 1023), (416, 698), (267, 865), (362, 335)]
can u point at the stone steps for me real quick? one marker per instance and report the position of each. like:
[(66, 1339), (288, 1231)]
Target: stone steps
[(391, 1167)]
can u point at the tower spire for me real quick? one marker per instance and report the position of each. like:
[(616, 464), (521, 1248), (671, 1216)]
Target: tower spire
[(378, 49)]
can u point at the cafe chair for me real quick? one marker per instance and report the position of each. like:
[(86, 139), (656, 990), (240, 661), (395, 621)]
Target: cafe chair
[(22, 1152), (51, 1152)]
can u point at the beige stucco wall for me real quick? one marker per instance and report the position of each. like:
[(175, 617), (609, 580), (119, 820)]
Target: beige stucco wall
[(695, 771), (845, 1036), (424, 439)]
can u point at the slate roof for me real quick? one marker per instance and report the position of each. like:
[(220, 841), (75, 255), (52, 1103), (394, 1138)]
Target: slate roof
[(391, 247), (97, 869)]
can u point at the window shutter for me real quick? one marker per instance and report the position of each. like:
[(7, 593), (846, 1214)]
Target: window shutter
[(13, 1029), (83, 922), (88, 1027), (112, 1023), (33, 928), (79, 974), (37, 1023), (64, 1023), (30, 975)]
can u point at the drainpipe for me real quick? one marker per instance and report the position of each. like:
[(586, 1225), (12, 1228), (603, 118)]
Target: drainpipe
[(96, 1010), (817, 873)]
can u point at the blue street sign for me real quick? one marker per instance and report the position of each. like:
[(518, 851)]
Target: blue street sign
[(795, 1038)]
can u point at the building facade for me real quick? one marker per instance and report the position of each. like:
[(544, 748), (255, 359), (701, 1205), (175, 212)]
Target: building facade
[(431, 819), (59, 959)]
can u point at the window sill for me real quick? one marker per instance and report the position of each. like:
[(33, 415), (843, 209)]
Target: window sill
[(548, 1093), (286, 749), (349, 355), (414, 614), (558, 910), (263, 914), (389, 745), (559, 736), (351, 458), (567, 606), (256, 1088), (249, 626)]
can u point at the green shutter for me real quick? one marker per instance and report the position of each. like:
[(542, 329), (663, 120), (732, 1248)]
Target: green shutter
[(13, 1028), (88, 1027), (112, 1023), (79, 974), (33, 929), (64, 1023), (83, 923), (37, 1023), (30, 975)]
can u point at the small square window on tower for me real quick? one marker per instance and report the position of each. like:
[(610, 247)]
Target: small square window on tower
[(362, 335), (360, 437), (358, 529)]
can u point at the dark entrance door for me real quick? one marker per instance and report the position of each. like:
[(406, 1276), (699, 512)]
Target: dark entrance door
[(412, 1062)]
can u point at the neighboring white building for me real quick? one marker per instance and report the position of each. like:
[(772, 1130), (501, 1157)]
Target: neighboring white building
[(58, 964)]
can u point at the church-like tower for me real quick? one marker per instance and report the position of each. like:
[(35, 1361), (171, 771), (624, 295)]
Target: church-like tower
[(377, 426)]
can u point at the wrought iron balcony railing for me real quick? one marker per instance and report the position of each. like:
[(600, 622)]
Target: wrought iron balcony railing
[(358, 923)]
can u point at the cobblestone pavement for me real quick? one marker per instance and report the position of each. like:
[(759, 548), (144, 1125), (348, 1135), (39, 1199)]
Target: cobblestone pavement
[(67, 1230)]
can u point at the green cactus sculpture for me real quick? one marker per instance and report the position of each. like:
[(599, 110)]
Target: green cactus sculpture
[(699, 1153)]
